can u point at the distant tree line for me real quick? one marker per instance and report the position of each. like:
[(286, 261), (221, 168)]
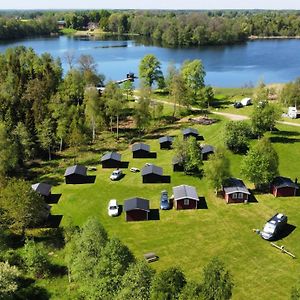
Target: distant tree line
[(170, 28), (12, 28)]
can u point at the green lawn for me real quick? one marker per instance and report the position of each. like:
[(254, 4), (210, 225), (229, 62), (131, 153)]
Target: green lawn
[(189, 239)]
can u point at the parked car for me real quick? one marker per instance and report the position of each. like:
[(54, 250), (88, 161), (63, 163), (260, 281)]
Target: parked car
[(113, 208), (274, 226), (115, 175), (134, 170), (164, 200), (237, 105), (246, 101)]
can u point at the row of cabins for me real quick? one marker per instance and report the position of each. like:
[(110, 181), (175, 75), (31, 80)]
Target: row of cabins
[(234, 190), (186, 197), (138, 209)]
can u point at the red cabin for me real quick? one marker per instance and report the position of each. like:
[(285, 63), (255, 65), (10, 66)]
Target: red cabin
[(185, 197), (284, 187), (235, 191), (136, 209)]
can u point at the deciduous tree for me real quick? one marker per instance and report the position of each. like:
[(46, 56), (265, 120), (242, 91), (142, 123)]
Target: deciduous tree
[(217, 281), (264, 118), (142, 113), (191, 291), (92, 108), (45, 134), (189, 153), (193, 74), (36, 259), (21, 206), (260, 165), (149, 70), (217, 169), (167, 284), (8, 153), (8, 280), (237, 135), (114, 102), (136, 282)]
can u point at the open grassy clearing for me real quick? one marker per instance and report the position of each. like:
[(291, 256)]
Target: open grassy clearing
[(190, 238)]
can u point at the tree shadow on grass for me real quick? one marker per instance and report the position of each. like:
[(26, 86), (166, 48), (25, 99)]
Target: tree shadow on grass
[(28, 290), (53, 221), (52, 237), (221, 103), (286, 133), (283, 140)]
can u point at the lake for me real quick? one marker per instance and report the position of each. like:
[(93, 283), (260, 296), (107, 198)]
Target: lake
[(226, 66)]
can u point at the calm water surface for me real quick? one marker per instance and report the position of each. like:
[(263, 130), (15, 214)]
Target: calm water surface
[(226, 66)]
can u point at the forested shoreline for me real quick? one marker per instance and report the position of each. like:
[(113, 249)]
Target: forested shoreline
[(171, 28)]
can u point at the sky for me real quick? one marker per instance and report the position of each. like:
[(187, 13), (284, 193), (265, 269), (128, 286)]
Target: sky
[(149, 4)]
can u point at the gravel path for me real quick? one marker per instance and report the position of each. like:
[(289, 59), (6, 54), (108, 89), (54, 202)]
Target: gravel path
[(232, 117)]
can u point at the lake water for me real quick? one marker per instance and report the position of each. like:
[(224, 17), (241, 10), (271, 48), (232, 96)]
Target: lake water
[(226, 66)]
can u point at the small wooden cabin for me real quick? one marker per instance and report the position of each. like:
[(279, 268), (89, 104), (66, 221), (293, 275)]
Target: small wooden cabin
[(185, 197), (235, 191), (111, 160), (192, 132), (44, 189), (178, 164), (136, 209), (152, 174), (140, 150), (165, 142), (207, 150), (284, 187), (76, 174)]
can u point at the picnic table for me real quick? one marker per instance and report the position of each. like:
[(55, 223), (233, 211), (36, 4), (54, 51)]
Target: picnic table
[(150, 257)]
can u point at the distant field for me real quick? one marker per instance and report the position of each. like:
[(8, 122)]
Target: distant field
[(189, 239)]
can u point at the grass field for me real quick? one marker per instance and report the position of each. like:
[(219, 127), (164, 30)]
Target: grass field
[(189, 239)]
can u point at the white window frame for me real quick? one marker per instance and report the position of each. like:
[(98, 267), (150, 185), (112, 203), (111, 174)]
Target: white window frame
[(241, 195), (234, 196), (186, 201)]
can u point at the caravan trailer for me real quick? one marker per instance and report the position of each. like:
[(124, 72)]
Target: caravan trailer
[(246, 101), (293, 112)]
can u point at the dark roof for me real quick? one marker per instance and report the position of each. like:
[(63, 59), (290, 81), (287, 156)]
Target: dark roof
[(177, 160), (207, 149), (187, 131), (234, 185), (43, 189), (185, 192), (280, 182), (136, 203), (165, 139), (152, 169), (77, 169), (140, 146), (111, 155)]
